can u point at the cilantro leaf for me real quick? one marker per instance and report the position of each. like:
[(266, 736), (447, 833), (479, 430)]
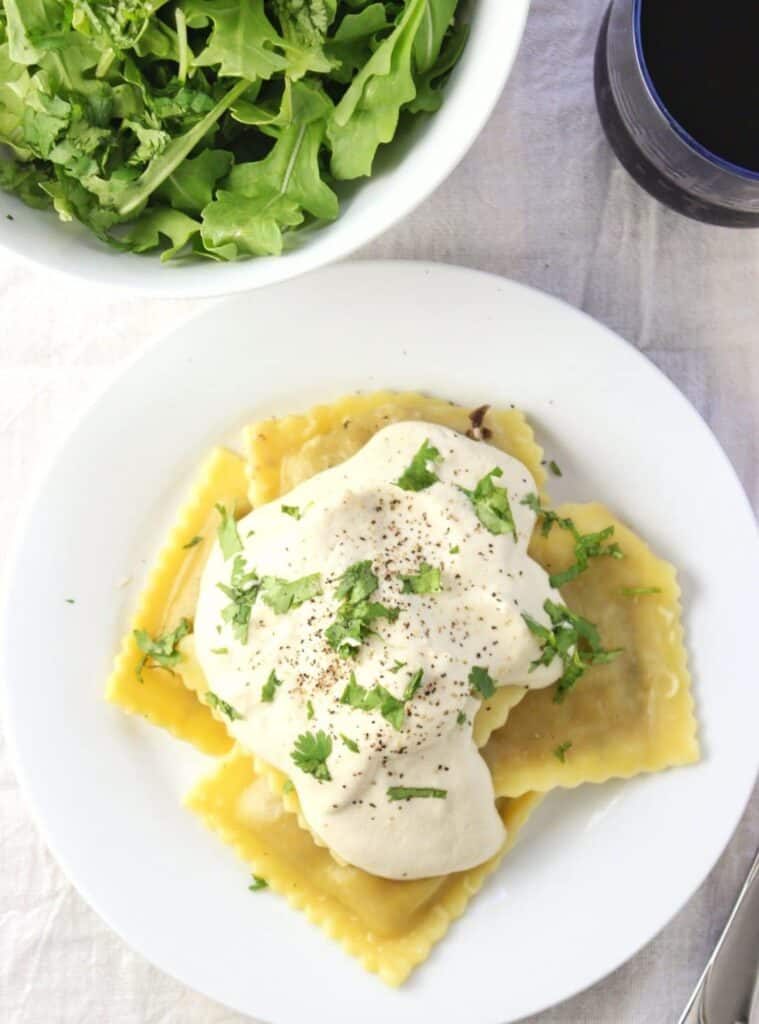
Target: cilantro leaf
[(229, 538), (218, 704), (560, 752), (291, 510), (242, 591), (572, 639), (192, 542), (425, 581), (481, 681), (355, 615), (357, 583), (257, 884), (410, 792), (269, 689), (349, 743), (417, 476), (460, 718), (309, 710), (310, 754), (555, 469), (283, 595), (392, 709), (639, 591), (287, 787), (397, 666), (163, 650), (587, 545), (413, 684), (491, 504)]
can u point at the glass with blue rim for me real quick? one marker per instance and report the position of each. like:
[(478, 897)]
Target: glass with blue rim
[(677, 88)]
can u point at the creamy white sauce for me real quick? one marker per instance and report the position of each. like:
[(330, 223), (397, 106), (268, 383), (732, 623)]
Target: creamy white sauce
[(352, 513)]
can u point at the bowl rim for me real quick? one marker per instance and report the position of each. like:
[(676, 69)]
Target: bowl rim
[(430, 160)]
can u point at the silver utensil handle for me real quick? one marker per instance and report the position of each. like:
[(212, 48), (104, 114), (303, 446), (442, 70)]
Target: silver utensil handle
[(694, 1011)]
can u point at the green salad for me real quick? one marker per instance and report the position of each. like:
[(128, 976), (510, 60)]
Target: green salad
[(213, 128)]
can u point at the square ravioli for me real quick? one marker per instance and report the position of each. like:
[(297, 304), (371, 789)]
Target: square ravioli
[(390, 926), (630, 716)]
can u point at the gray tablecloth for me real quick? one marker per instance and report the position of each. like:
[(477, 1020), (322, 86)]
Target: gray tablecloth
[(541, 199)]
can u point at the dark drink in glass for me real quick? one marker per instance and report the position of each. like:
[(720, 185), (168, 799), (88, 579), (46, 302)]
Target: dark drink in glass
[(677, 87)]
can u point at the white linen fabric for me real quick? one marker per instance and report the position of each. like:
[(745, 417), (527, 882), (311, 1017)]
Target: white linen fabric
[(540, 198)]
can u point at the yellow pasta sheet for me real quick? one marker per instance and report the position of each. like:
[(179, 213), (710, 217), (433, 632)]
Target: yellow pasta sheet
[(390, 926), (171, 594), (632, 715)]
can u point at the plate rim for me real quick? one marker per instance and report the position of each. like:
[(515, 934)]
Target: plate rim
[(145, 350)]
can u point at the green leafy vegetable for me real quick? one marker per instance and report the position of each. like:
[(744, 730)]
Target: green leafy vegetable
[(418, 476), (349, 743), (257, 884), (242, 592), (292, 510), (397, 666), (454, 550), (425, 581), (229, 538), (491, 504), (287, 786), (587, 545), (554, 467), (410, 792), (572, 639), (355, 615), (392, 709), (310, 754), (218, 704), (481, 681), (210, 128), (163, 650), (460, 718), (269, 689), (413, 684), (192, 542), (560, 752), (309, 710), (639, 591), (283, 595)]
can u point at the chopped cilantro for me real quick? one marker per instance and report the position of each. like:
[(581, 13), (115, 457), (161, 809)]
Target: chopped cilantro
[(292, 510), (242, 591), (426, 580), (454, 550), (163, 650), (215, 702), (269, 689), (310, 754), (69, 600), (284, 595), (554, 467), (417, 476), (287, 787), (481, 681), (572, 639), (391, 708), (491, 504), (219, 650), (560, 752), (309, 710), (197, 539), (229, 538), (257, 884), (409, 792), (397, 666), (587, 545), (413, 684), (639, 591), (349, 743), (460, 718), (355, 615)]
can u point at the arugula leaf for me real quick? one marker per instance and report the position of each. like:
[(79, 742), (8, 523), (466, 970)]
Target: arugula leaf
[(152, 226), (436, 20), (243, 43), (191, 187), (214, 701), (229, 538), (491, 504), (572, 639), (410, 792), (481, 681), (162, 650), (425, 581), (367, 114), (257, 884), (269, 689), (418, 476), (310, 754), (284, 595)]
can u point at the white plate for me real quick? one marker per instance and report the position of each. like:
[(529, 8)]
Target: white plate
[(599, 870)]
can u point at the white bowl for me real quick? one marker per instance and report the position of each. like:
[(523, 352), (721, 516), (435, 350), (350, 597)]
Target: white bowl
[(406, 173)]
